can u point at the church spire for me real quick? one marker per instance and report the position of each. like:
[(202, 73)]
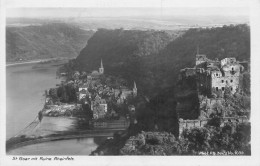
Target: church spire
[(101, 65), (135, 85), (101, 69), (135, 90)]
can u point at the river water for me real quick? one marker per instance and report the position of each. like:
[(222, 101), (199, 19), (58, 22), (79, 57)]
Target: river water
[(80, 146), (25, 94), (25, 87)]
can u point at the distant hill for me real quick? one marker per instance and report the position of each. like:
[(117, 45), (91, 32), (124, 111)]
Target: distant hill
[(44, 41), (153, 58)]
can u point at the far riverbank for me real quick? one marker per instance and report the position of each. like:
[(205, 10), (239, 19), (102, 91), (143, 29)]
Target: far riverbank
[(34, 61)]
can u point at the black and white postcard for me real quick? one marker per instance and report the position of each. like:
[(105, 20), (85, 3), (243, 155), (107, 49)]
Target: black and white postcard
[(113, 82)]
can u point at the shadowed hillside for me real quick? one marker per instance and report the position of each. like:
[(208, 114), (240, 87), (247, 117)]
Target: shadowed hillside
[(124, 51), (153, 58), (115, 47), (44, 41)]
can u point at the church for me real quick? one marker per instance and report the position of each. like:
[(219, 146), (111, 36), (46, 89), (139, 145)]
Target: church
[(95, 73)]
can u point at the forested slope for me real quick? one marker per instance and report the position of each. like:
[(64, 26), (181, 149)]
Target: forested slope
[(44, 41), (153, 58)]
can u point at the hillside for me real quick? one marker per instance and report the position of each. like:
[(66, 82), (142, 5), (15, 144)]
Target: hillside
[(44, 41), (123, 51), (153, 58), (116, 46)]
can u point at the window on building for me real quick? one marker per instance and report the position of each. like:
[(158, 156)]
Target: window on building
[(231, 80), (216, 88), (223, 88), (222, 81), (216, 74), (231, 88)]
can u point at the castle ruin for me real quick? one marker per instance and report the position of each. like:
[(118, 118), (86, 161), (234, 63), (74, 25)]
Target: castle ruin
[(214, 76), (202, 88)]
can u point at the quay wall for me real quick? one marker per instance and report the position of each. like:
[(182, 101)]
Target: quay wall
[(111, 124)]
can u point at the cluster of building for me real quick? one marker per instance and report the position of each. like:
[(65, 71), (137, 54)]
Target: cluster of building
[(92, 92)]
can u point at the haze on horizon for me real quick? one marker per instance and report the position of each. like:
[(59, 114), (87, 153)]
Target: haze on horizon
[(126, 12)]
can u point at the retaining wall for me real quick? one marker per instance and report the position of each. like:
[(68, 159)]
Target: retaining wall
[(187, 124)]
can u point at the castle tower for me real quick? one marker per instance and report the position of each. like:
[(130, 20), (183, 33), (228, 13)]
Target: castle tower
[(101, 69), (134, 90)]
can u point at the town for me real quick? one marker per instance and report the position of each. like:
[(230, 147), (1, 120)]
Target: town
[(92, 98)]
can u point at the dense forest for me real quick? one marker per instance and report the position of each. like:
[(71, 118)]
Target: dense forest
[(117, 47), (153, 58), (44, 41)]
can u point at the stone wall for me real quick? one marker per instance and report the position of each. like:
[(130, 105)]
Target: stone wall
[(115, 124), (188, 124)]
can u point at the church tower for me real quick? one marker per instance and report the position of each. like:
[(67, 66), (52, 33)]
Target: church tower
[(101, 69), (135, 90)]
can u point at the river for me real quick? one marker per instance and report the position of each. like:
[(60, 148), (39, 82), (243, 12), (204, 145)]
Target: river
[(25, 94), (25, 87), (80, 146)]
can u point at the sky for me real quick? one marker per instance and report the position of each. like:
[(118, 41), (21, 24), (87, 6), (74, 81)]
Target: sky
[(122, 12), (127, 3), (121, 8)]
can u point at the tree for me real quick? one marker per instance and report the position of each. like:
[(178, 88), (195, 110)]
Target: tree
[(198, 138), (215, 121)]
